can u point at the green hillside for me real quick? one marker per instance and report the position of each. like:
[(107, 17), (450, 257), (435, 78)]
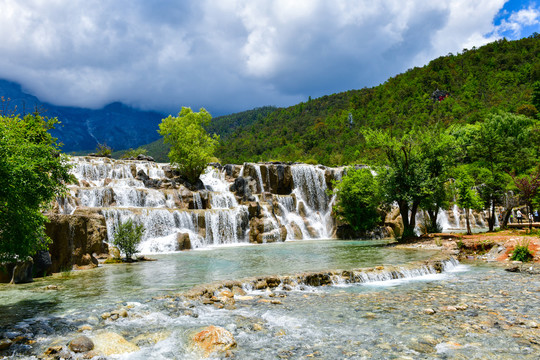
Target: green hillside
[(497, 76), (327, 130)]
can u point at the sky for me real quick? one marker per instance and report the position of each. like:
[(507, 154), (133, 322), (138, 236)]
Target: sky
[(233, 55)]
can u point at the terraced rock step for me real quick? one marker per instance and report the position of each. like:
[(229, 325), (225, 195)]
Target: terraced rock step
[(435, 265)]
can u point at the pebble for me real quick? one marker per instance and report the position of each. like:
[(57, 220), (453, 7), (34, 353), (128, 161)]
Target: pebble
[(429, 311), (5, 344)]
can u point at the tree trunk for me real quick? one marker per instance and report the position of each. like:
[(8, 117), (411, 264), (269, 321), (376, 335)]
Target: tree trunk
[(469, 232), (433, 217), (408, 228), (491, 217), (506, 217)]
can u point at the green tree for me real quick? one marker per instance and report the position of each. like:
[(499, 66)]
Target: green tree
[(191, 147), (501, 144), (529, 188), (127, 237), (358, 197), (32, 174), (467, 196), (414, 166)]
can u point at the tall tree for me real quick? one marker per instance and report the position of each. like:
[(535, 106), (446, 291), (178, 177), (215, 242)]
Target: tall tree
[(467, 196), (414, 166), (502, 143), (191, 147), (32, 174)]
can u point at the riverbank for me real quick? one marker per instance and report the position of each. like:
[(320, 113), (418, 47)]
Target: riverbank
[(491, 247)]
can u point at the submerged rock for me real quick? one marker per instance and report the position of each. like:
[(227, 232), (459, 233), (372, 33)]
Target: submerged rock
[(110, 343), (81, 344), (213, 339)]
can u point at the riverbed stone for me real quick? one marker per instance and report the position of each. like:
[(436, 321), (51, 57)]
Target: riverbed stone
[(81, 344), (213, 339), (5, 344), (110, 343), (183, 241)]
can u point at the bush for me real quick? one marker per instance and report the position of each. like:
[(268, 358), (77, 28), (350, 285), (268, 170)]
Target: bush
[(522, 253), (358, 197), (130, 153), (103, 150), (127, 237)]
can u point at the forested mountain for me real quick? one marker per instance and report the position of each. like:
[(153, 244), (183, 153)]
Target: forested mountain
[(327, 130)]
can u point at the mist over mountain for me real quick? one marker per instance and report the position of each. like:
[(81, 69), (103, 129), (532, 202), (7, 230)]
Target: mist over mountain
[(117, 125)]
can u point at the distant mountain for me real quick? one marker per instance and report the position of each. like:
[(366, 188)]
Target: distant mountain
[(117, 125), (224, 126)]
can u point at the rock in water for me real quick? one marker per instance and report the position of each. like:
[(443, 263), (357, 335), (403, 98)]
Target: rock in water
[(81, 344), (111, 343), (213, 339)]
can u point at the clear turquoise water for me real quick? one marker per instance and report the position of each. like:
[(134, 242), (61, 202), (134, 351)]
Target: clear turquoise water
[(99, 288)]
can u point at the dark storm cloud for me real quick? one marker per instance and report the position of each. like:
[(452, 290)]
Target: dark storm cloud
[(230, 55)]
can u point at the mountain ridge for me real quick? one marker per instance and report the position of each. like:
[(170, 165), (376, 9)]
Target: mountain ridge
[(116, 124)]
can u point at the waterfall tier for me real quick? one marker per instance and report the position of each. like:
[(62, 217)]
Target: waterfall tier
[(255, 203)]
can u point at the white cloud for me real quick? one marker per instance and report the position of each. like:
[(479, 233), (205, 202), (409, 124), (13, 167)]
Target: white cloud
[(230, 55), (516, 21)]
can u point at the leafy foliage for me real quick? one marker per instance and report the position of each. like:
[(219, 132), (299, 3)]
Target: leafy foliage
[(133, 153), (467, 196), (32, 174), (415, 166), (191, 147), (522, 253), (497, 76), (127, 237), (358, 197), (103, 150)]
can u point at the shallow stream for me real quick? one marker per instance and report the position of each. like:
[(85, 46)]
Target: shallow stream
[(479, 312)]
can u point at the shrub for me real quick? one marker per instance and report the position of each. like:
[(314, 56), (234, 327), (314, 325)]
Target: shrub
[(103, 150), (358, 197), (522, 253), (130, 153), (127, 237)]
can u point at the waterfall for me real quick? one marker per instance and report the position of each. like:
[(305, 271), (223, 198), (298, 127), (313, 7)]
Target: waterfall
[(455, 210), (111, 188), (197, 202), (312, 201), (224, 226)]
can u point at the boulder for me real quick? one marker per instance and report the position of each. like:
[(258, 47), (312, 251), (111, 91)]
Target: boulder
[(42, 262), (244, 188), (232, 170), (145, 157), (254, 209), (109, 343), (281, 180), (213, 339), (20, 272), (75, 238), (81, 344), (183, 241), (297, 232)]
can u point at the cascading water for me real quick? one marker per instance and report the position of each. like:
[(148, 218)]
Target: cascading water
[(142, 192), (312, 201)]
